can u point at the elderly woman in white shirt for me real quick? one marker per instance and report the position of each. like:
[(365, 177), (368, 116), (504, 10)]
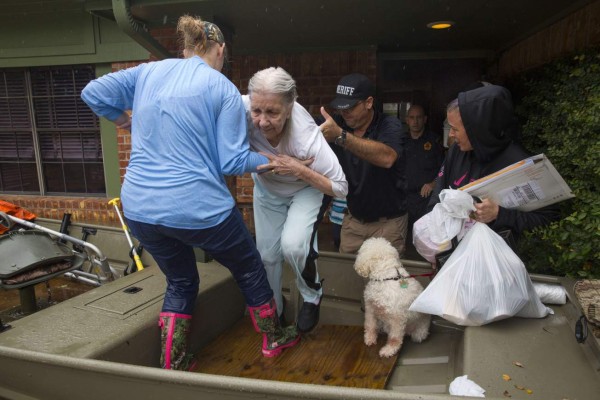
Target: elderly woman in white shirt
[(288, 194)]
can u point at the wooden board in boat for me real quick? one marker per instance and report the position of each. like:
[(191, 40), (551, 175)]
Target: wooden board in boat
[(331, 355)]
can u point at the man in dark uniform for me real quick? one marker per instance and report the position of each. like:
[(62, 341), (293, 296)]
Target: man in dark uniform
[(370, 148), (424, 157)]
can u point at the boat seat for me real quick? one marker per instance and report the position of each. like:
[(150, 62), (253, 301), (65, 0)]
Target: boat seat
[(29, 257)]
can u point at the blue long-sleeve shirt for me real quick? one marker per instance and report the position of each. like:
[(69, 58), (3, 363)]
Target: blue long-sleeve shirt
[(188, 131)]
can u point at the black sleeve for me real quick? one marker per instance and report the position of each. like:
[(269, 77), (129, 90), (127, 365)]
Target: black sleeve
[(439, 154), (391, 132), (519, 221)]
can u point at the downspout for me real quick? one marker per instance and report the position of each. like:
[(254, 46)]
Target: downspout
[(137, 30)]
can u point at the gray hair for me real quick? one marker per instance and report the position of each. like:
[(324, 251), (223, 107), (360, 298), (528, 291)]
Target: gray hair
[(452, 106), (274, 80)]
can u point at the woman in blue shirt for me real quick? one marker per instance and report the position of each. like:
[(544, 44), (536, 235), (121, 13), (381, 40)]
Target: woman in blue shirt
[(188, 126)]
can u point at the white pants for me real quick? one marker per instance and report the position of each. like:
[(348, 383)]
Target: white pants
[(284, 227)]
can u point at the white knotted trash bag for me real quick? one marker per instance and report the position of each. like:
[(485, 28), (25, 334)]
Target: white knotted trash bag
[(433, 232), (422, 241), (482, 281)]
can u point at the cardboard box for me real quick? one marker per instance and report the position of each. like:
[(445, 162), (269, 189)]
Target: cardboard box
[(526, 185)]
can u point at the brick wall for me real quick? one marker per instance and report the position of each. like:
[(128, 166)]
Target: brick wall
[(576, 32), (89, 209), (316, 73)]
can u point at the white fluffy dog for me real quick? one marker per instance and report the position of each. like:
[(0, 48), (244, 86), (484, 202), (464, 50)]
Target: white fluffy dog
[(388, 295)]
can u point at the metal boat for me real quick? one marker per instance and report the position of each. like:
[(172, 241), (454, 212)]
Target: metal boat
[(104, 343)]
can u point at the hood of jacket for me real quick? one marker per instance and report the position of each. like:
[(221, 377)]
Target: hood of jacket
[(489, 119)]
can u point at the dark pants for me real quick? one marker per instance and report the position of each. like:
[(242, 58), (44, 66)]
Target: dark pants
[(229, 243), (417, 207), (336, 231)]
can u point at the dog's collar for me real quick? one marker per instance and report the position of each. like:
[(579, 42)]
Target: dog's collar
[(398, 277)]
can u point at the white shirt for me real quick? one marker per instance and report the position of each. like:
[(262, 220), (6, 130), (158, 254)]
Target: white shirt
[(301, 139)]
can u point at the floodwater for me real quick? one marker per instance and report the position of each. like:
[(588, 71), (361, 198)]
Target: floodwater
[(47, 293)]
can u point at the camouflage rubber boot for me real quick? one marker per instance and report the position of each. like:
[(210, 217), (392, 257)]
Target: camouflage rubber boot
[(275, 337), (174, 332)]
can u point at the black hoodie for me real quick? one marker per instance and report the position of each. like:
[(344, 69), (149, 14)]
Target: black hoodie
[(493, 130)]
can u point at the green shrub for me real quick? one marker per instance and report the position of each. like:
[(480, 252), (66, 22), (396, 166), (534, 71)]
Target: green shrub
[(560, 106)]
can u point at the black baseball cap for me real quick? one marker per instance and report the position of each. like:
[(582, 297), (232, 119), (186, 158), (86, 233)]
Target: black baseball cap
[(350, 90)]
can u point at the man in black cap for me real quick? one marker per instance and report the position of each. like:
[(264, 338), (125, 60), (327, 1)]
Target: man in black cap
[(370, 148)]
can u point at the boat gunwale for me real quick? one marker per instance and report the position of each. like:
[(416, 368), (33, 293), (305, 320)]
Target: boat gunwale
[(205, 382)]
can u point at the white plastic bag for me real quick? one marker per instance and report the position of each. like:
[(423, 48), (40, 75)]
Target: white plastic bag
[(433, 232), (550, 294), (422, 241), (463, 386), (482, 281)]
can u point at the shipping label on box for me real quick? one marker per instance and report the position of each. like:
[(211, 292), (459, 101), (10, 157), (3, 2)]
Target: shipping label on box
[(526, 185)]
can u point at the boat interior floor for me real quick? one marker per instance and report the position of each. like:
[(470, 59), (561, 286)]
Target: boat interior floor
[(330, 355), (335, 355)]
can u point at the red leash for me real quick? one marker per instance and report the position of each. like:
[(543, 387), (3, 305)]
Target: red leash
[(429, 274)]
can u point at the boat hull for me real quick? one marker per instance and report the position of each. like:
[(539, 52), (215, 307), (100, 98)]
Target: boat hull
[(105, 343)]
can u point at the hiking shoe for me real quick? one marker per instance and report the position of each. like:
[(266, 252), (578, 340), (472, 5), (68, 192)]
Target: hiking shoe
[(308, 317)]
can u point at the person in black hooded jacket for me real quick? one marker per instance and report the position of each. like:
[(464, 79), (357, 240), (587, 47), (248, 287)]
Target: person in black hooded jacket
[(486, 131)]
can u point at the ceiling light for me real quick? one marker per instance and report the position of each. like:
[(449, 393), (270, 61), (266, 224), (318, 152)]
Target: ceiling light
[(440, 24)]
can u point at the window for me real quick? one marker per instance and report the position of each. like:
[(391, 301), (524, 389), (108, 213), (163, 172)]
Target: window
[(49, 139)]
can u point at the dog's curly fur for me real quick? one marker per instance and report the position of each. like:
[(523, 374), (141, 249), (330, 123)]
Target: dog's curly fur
[(386, 302)]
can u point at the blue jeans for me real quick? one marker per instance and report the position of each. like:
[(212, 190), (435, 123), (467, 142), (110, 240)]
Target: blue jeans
[(229, 243)]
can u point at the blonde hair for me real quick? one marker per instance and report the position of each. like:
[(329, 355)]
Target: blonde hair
[(198, 36)]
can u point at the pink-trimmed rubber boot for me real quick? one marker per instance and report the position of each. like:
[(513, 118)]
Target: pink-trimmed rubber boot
[(275, 337), (174, 333)]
